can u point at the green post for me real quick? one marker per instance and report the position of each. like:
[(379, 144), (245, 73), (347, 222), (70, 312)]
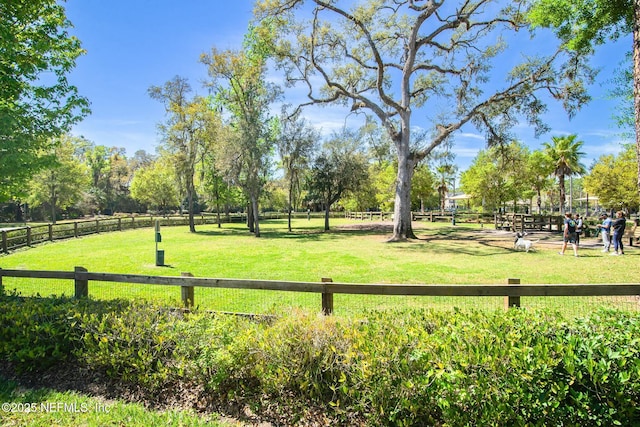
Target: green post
[(158, 239)]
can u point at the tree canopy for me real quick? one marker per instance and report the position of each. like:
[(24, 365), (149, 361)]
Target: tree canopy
[(584, 24), (612, 179), (394, 57), (37, 102), (564, 155)]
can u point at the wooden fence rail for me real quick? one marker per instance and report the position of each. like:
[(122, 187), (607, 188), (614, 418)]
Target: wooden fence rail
[(511, 291), (18, 237)]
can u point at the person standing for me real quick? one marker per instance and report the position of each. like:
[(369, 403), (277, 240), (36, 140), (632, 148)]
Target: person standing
[(579, 224), (605, 230), (618, 225), (569, 234)]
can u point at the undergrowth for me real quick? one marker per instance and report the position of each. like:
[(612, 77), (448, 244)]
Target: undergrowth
[(400, 367)]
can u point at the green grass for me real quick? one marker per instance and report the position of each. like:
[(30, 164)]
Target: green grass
[(443, 254), (45, 408)]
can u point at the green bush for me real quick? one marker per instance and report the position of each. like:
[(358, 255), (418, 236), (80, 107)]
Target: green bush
[(135, 344), (37, 332), (387, 368), (426, 368)]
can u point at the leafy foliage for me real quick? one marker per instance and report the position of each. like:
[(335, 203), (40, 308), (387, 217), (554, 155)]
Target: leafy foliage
[(388, 368), (613, 180), (155, 185), (339, 169), (564, 154), (394, 58), (37, 103), (61, 185)]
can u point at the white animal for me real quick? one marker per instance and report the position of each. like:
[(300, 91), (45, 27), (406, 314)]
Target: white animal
[(522, 243)]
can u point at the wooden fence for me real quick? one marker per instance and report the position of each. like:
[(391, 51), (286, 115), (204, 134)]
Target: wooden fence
[(431, 216), (512, 291), (19, 237)]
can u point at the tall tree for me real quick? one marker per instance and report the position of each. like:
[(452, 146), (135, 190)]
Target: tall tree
[(538, 172), (612, 180), (393, 57), (215, 186), (296, 145), (423, 188), (61, 184), (238, 80), (37, 103), (584, 24), (185, 132), (156, 185), (497, 176), (564, 155), (446, 175), (336, 171)]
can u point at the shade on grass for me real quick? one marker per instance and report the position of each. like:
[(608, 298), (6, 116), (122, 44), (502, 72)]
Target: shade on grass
[(443, 254)]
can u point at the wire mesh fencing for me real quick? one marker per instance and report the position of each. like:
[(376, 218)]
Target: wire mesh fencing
[(280, 298)]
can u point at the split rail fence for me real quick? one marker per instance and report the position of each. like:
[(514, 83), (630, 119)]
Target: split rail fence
[(512, 291)]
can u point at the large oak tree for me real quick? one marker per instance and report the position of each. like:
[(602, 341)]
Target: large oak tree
[(445, 58)]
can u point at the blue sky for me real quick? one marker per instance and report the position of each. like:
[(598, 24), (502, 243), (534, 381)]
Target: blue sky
[(133, 44)]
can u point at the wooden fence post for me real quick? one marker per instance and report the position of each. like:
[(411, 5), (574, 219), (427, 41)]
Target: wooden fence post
[(4, 242), (187, 292), (1, 286), (75, 229), (81, 285), (327, 298), (51, 232), (512, 301), (119, 224), (28, 236)]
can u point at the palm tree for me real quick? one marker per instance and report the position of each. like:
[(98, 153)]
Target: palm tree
[(446, 174), (564, 155)]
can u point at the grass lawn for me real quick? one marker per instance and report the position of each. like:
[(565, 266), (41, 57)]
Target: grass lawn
[(354, 251), (44, 408)]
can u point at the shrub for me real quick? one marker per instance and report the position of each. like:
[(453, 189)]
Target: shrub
[(37, 333), (388, 368), (135, 344)]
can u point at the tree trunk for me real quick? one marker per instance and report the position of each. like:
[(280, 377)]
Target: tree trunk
[(190, 193), (289, 203), (563, 194), (326, 216), (256, 215), (53, 210), (53, 201), (636, 80), (217, 195), (402, 229), (539, 202), (19, 214), (250, 218)]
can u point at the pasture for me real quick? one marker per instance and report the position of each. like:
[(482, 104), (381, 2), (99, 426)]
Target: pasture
[(353, 252)]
